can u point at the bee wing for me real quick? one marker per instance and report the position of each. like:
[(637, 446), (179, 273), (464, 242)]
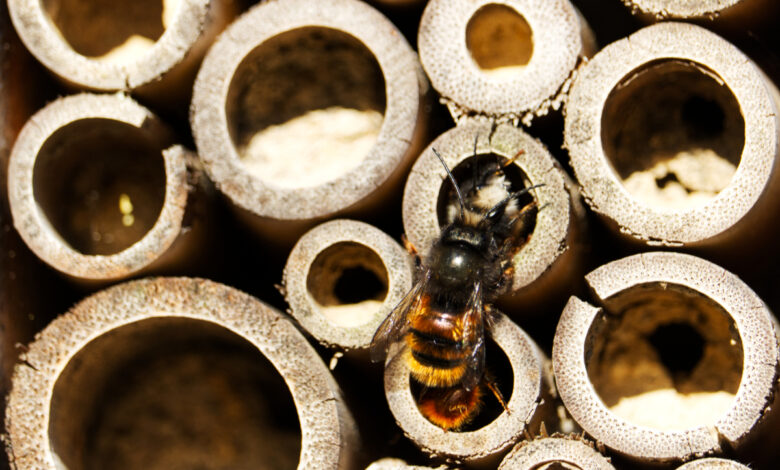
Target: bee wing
[(474, 339), (395, 326)]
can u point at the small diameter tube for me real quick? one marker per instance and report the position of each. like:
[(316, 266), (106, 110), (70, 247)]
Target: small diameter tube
[(544, 453), (673, 135), (551, 260), (530, 402), (511, 59), (98, 190), (176, 373), (677, 358), (343, 278), (152, 49), (306, 110)]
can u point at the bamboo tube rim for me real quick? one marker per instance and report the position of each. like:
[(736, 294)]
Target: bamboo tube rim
[(572, 450), (404, 86), (601, 185), (328, 437), (305, 308), (33, 224), (528, 392), (713, 464), (457, 77), (750, 316), (681, 9), (428, 177), (45, 42)]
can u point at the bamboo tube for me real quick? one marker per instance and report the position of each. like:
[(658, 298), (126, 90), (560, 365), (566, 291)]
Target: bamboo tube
[(673, 135), (551, 261), (98, 191), (530, 403), (713, 9), (398, 464), (342, 279), (713, 464), (306, 110), (176, 373), (568, 452), (511, 59), (152, 48), (677, 358)]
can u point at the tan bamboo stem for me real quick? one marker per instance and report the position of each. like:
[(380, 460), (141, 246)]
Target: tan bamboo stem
[(529, 405), (510, 59), (551, 259), (175, 372), (673, 135), (322, 260), (677, 358), (713, 464), (544, 453), (305, 110), (98, 191), (152, 48)]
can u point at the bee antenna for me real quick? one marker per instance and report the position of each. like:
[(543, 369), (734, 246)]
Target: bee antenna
[(454, 183)]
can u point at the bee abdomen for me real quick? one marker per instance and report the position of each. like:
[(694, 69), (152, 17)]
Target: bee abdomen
[(436, 358)]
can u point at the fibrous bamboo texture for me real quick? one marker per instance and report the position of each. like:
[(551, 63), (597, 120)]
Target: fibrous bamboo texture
[(108, 46), (342, 257), (98, 190), (677, 358), (174, 373), (568, 452), (304, 110), (673, 135), (713, 464), (508, 59)]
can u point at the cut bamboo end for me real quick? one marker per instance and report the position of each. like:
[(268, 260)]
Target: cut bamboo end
[(176, 372), (398, 464), (305, 109), (529, 402), (569, 453), (507, 58), (713, 464), (112, 46), (677, 358), (662, 9), (96, 189), (673, 134), (424, 202), (343, 278)]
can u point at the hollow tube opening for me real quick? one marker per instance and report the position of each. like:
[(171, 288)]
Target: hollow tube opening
[(109, 30), (500, 40), (172, 393), (349, 282), (481, 186), (101, 184), (665, 357), (498, 369), (305, 107), (674, 133), (556, 466)]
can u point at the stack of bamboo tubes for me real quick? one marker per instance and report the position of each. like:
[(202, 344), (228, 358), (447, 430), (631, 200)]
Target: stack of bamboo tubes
[(206, 204)]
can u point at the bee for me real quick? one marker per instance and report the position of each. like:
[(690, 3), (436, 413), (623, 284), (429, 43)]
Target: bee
[(442, 322)]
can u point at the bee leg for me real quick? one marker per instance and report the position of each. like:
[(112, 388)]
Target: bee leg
[(490, 383), (409, 246), (511, 160)]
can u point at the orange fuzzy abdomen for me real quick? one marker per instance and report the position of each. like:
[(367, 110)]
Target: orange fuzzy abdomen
[(450, 408), (434, 355)]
